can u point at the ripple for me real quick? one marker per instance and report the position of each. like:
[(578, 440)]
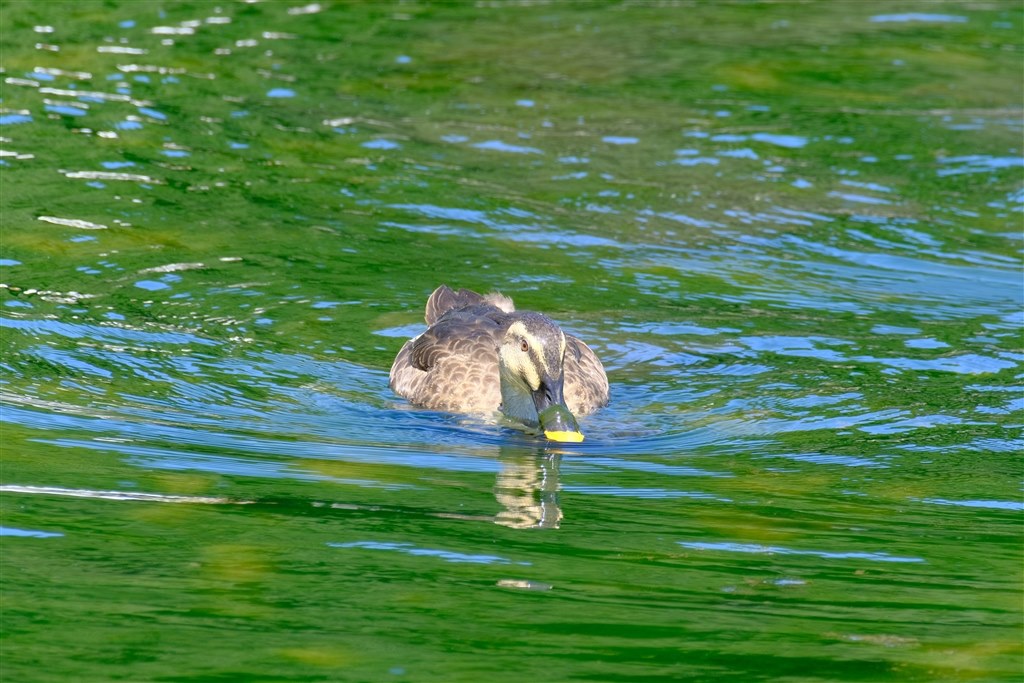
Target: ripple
[(787, 141), (499, 146), (641, 466), (65, 109), (978, 163), (172, 30), (651, 493), (153, 113), (27, 533), (620, 140), (829, 459), (965, 364), (859, 198), (312, 8), (450, 213), (411, 549), (381, 144), (121, 50), (151, 285), (779, 550), (909, 17), (72, 223), (745, 153), (696, 161), (894, 329), (925, 344), (10, 119), (912, 423), (865, 186), (106, 175), (173, 268), (524, 584), (402, 331), (103, 333), (118, 495), (989, 504)]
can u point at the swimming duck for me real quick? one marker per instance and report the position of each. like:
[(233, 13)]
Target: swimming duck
[(479, 355)]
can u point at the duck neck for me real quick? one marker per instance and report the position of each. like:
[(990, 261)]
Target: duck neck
[(516, 400)]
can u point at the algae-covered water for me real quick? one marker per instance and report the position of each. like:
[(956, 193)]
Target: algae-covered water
[(792, 231)]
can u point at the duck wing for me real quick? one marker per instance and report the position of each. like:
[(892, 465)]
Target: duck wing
[(444, 299), (453, 366), (586, 384)]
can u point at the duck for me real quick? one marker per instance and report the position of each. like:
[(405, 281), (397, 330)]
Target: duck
[(479, 355)]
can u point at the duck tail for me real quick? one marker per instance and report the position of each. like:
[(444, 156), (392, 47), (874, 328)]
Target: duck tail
[(445, 299)]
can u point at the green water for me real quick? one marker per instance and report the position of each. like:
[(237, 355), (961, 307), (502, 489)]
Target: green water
[(791, 230)]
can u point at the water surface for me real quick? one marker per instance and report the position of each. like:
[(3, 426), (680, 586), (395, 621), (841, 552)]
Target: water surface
[(792, 231)]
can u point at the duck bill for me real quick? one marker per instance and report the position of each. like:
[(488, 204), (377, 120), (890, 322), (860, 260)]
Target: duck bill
[(557, 423)]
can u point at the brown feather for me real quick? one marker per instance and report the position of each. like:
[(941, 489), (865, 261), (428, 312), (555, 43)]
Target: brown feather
[(586, 384)]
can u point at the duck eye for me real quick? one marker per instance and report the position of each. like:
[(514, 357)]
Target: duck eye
[(524, 346)]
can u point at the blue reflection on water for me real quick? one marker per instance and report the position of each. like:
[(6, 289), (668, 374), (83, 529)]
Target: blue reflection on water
[(65, 110), (696, 161), (830, 459), (866, 186), (153, 113), (27, 533), (620, 140), (381, 144), (978, 163), (151, 285), (789, 141), (410, 549), (744, 153), (918, 16), (101, 333), (499, 146), (990, 504), (925, 344), (779, 550), (860, 198)]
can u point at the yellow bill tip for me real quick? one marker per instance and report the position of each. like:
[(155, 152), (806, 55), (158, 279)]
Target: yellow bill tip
[(572, 437)]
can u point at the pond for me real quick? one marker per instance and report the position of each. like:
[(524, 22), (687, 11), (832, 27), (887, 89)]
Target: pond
[(792, 231)]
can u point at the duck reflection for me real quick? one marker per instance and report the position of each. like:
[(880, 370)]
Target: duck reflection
[(527, 489)]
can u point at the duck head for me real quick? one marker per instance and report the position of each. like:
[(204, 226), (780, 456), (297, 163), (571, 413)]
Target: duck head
[(531, 366)]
